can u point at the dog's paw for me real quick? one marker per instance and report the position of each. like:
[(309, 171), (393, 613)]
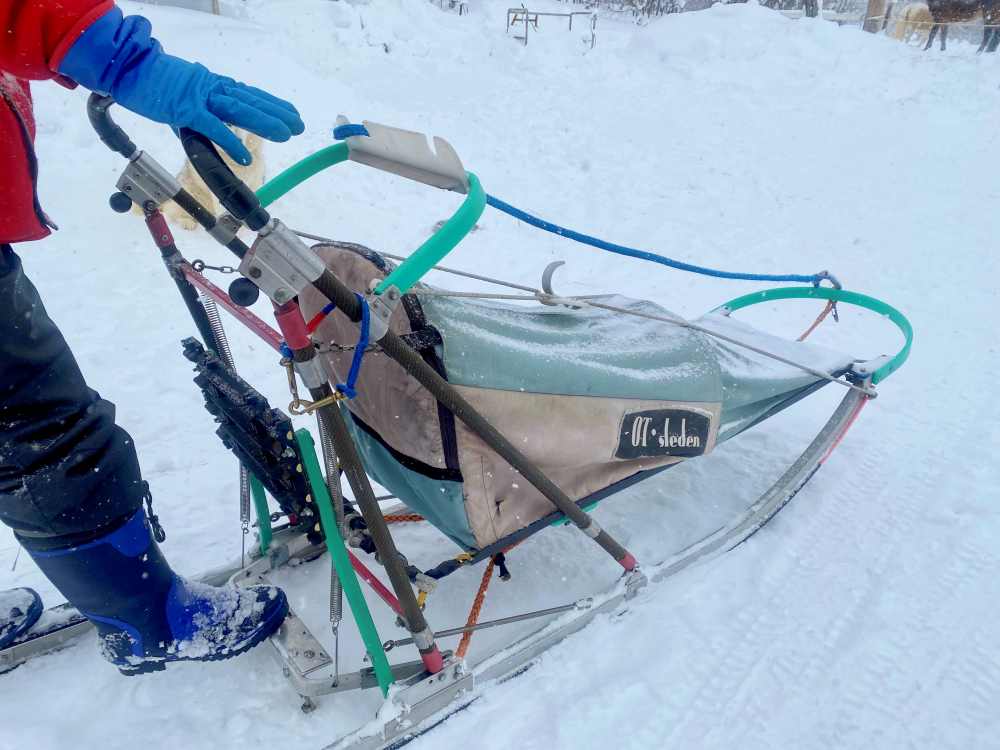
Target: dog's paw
[(178, 217)]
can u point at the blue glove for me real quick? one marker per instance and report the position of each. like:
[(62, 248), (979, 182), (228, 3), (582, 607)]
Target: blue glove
[(117, 56)]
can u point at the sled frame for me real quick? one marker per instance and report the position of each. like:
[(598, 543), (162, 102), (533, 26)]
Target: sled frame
[(425, 695)]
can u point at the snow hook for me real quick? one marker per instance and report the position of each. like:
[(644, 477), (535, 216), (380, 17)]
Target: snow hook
[(548, 295)]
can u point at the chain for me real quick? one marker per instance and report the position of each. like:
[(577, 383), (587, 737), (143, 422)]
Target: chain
[(199, 265), (333, 348)]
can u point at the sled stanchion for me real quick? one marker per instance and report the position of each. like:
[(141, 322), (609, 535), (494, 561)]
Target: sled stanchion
[(293, 326), (442, 242), (411, 361), (350, 461), (338, 553), (263, 514)]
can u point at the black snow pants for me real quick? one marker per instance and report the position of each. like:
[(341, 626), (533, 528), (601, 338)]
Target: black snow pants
[(67, 471)]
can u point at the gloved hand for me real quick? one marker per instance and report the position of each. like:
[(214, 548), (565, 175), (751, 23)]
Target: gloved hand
[(117, 56)]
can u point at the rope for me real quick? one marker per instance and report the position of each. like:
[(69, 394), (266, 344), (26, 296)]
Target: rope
[(348, 388), (632, 252), (538, 294), (831, 307), (722, 337), (477, 608), (904, 20), (348, 130), (402, 518), (319, 317)]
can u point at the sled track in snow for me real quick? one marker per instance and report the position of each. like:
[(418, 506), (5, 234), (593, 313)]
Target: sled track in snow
[(865, 521), (728, 673), (942, 587)]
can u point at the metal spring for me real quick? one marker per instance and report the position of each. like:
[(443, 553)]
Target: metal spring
[(226, 355)]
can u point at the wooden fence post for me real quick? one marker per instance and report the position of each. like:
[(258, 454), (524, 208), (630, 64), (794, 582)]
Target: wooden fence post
[(874, 16)]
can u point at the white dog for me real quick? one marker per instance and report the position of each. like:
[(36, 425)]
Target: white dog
[(252, 175)]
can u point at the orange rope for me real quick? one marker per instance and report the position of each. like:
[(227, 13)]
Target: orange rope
[(477, 606), (822, 316), (403, 518)]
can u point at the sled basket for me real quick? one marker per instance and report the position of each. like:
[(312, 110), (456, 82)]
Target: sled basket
[(599, 400)]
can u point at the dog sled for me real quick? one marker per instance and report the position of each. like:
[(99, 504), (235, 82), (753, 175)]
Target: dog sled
[(490, 417)]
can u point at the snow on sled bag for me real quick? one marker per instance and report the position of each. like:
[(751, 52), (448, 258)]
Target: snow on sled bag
[(594, 398)]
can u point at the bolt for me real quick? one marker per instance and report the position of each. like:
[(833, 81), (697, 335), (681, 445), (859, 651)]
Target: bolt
[(281, 296), (309, 653), (255, 272)]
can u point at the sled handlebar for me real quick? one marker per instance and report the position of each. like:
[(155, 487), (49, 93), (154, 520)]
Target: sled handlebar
[(234, 195), (249, 208), (238, 199), (108, 131)]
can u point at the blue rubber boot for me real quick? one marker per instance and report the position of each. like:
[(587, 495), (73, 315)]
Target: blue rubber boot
[(19, 610), (146, 615)]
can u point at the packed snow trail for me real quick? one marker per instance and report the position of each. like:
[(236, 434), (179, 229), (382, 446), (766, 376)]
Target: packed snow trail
[(866, 615)]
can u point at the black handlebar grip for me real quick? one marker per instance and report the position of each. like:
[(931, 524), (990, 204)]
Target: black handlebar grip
[(110, 134), (238, 199)]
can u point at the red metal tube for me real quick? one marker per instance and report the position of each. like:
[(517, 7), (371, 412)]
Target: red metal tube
[(263, 331)]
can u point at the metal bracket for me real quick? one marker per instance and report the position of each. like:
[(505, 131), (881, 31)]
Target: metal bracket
[(381, 306), (146, 181), (225, 229), (865, 370), (429, 694), (313, 373), (280, 263), (408, 154)]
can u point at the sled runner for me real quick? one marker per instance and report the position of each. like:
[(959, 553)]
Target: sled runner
[(490, 420)]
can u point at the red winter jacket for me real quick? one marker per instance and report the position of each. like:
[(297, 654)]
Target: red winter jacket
[(34, 37)]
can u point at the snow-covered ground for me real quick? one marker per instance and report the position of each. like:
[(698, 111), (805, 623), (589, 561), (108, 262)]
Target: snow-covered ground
[(865, 616)]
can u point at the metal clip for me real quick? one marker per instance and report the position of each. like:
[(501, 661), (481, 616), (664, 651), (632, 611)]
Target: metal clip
[(299, 406), (382, 306), (281, 264)]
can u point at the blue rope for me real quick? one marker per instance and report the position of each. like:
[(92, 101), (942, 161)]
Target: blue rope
[(348, 388), (348, 130), (345, 131), (631, 252)]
